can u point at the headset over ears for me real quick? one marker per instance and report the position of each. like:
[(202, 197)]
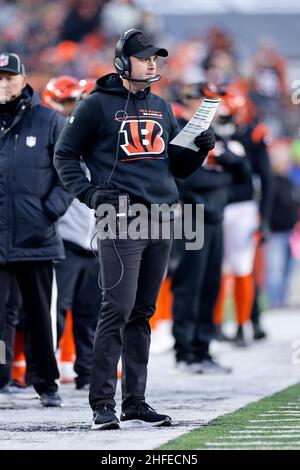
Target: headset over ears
[(122, 61)]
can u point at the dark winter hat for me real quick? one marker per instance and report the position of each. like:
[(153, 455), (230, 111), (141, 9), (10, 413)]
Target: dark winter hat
[(140, 46), (10, 62)]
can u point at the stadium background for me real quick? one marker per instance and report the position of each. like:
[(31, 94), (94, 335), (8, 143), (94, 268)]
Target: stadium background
[(220, 40)]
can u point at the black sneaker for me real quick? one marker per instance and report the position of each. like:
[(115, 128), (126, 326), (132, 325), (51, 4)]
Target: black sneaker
[(243, 338), (188, 367), (23, 391), (83, 387), (258, 332), (211, 367), (104, 417), (51, 399), (142, 414), (220, 336)]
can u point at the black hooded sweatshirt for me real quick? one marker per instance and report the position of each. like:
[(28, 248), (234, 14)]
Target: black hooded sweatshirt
[(146, 161)]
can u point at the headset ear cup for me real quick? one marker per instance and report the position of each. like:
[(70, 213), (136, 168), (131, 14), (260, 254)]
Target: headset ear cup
[(122, 62), (119, 65), (126, 65)]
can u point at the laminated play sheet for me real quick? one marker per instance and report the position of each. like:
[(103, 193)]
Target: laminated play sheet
[(200, 122)]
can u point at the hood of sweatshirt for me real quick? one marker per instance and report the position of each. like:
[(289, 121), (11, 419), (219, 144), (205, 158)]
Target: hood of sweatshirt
[(113, 84)]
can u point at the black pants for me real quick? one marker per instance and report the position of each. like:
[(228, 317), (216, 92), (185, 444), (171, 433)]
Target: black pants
[(195, 285), (123, 327), (10, 304), (77, 285), (256, 312), (35, 282)]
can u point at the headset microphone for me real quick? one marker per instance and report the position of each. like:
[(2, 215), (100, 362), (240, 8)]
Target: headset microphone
[(145, 80)]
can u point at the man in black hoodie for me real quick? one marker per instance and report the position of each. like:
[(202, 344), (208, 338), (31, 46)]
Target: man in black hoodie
[(123, 132)]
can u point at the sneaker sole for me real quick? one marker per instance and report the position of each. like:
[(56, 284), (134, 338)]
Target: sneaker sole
[(46, 405), (106, 426), (138, 423), (215, 372)]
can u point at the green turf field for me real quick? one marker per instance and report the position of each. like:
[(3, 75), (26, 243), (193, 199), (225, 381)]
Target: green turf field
[(270, 423)]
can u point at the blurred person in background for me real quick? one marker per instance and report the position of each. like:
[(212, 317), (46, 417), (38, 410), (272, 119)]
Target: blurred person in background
[(220, 63), (61, 94), (246, 217), (196, 278), (81, 19), (120, 15), (77, 274), (32, 200), (284, 216), (295, 163), (268, 87), (86, 85)]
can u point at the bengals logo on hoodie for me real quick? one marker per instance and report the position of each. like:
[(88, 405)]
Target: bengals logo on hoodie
[(142, 139)]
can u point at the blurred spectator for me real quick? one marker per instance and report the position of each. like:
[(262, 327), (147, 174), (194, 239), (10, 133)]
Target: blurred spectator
[(268, 86), (220, 62), (284, 216), (269, 74), (119, 16), (295, 166), (82, 19), (8, 12)]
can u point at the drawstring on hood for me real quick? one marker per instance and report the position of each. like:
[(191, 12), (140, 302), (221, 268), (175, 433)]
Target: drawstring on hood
[(112, 83)]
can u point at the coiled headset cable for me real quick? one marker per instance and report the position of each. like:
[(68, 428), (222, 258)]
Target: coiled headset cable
[(121, 115)]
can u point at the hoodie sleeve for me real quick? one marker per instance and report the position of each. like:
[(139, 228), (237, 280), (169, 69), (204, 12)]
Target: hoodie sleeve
[(80, 130), (58, 199), (182, 161)]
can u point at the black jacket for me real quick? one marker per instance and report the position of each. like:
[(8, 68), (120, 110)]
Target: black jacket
[(262, 178), (211, 185), (31, 196), (146, 163), (285, 207)]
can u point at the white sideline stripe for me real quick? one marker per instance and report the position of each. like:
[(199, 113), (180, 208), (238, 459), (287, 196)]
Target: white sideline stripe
[(259, 431), (282, 412), (272, 427), (254, 443), (286, 413), (290, 409), (272, 420), (268, 436), (289, 406)]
